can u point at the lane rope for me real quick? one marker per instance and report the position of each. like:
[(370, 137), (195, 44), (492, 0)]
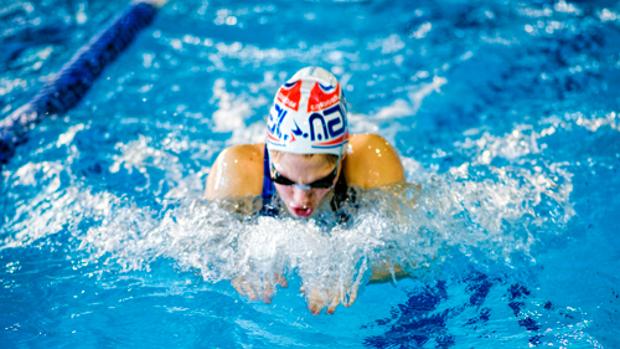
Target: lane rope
[(76, 77)]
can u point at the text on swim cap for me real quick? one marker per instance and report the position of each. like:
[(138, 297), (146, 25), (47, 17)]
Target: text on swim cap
[(335, 126), (290, 94), (321, 99)]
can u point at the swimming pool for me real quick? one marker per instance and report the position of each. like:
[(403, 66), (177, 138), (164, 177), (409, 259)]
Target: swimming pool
[(505, 113)]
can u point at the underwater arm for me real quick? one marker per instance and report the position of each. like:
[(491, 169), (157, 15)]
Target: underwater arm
[(387, 272), (372, 162), (236, 180)]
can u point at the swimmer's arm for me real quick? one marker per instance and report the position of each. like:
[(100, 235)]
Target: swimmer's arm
[(236, 176), (387, 272), (371, 162)]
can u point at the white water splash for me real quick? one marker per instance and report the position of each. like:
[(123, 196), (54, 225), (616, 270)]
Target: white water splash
[(523, 140), (53, 211), (139, 156), (592, 124), (406, 108), (390, 44), (489, 216), (402, 226), (232, 111)]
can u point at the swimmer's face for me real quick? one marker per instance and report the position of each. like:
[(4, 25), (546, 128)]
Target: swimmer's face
[(303, 202)]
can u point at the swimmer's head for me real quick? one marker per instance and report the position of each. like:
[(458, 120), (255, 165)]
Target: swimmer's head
[(307, 131), (309, 115)]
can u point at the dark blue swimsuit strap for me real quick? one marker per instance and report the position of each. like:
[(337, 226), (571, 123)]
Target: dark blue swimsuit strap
[(267, 208), (342, 194)]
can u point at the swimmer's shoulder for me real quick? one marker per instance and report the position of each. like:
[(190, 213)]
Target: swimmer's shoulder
[(236, 173), (372, 162)]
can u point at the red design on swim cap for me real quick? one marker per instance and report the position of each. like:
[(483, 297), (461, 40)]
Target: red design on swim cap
[(290, 95), (320, 100)]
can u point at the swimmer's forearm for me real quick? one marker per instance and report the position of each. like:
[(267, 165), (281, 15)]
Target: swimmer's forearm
[(386, 273), (244, 207)]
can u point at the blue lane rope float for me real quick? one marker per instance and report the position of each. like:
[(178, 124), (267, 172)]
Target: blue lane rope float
[(76, 77)]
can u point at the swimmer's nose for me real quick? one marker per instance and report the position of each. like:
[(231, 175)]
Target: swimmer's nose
[(302, 197)]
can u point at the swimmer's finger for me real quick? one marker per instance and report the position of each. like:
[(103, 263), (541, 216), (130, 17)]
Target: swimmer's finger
[(267, 292), (244, 288), (334, 303), (315, 302), (315, 307), (281, 280), (249, 291), (236, 284)]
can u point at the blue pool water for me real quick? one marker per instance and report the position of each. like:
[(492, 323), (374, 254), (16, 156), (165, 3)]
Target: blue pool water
[(506, 114)]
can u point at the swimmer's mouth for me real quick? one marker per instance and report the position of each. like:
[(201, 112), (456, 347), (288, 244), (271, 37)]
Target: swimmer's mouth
[(304, 212)]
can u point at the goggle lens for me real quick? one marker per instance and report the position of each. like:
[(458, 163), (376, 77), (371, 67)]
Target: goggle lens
[(321, 183)]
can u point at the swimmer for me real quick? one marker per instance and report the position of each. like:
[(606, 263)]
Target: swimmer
[(308, 164)]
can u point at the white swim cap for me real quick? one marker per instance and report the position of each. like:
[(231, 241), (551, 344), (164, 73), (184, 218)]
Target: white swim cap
[(309, 115)]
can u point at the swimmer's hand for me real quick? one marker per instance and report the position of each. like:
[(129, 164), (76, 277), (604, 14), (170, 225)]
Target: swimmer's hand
[(264, 288), (330, 298), (317, 300)]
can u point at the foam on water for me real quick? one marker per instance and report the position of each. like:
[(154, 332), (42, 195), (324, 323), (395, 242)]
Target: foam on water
[(483, 208)]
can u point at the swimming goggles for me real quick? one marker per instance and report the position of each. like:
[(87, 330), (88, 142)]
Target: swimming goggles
[(321, 183)]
